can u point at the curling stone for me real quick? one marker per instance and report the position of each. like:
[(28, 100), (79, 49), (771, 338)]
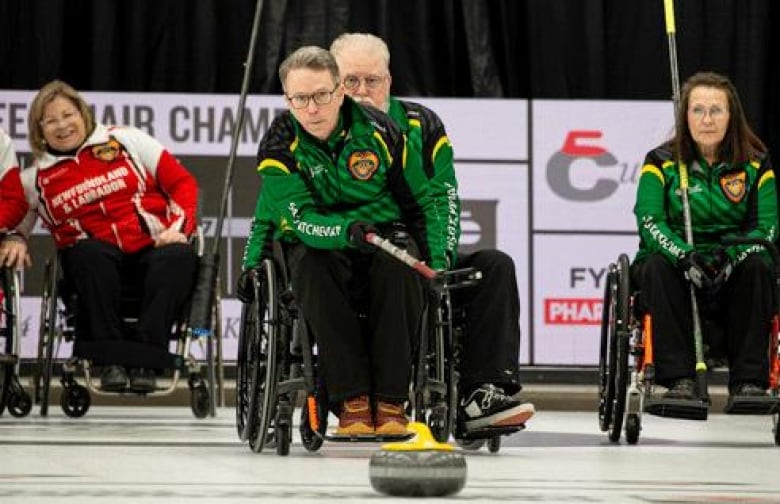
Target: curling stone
[(420, 467)]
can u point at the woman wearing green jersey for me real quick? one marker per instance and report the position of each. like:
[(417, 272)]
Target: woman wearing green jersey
[(732, 192)]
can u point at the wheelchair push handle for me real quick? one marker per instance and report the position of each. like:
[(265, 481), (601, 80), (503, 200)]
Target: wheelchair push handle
[(439, 280)]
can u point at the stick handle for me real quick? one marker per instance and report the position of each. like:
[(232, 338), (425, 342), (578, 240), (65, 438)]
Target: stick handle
[(401, 254), (669, 16)]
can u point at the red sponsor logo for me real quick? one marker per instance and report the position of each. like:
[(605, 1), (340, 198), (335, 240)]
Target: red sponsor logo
[(576, 143), (572, 311)]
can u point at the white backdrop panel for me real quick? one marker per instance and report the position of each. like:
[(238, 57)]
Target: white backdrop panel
[(507, 184), (586, 160), (569, 276)]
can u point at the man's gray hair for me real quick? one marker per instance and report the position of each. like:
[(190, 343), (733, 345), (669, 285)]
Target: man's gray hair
[(364, 42), (312, 58)]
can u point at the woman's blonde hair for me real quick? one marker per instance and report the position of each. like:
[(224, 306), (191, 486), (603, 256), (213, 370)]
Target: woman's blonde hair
[(45, 96)]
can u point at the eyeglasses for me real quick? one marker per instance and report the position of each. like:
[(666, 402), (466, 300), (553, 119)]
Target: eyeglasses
[(370, 81), (700, 112), (320, 98)]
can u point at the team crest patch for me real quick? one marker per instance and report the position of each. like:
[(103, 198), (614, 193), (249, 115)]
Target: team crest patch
[(733, 186), (107, 151), (363, 164)]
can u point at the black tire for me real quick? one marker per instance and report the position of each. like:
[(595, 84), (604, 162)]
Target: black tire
[(75, 401), (262, 357), (18, 401), (471, 444), (244, 368), (283, 436), (606, 355), (777, 428), (619, 345), (439, 424), (200, 401), (494, 444), (6, 373), (633, 427), (47, 331)]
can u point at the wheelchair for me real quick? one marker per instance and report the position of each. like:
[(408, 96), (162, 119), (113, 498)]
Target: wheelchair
[(58, 322), (626, 389), (12, 393), (277, 362)]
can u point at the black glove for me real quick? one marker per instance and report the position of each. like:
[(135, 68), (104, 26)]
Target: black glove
[(357, 236), (722, 267), (245, 288), (696, 270)]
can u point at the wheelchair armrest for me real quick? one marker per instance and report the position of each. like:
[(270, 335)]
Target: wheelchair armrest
[(459, 278)]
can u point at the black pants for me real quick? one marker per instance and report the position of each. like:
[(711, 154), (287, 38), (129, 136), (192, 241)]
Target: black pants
[(742, 309), (332, 287), (491, 338), (101, 273)]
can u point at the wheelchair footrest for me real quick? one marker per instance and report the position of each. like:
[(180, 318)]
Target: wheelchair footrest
[(367, 438), (488, 432), (685, 409), (746, 405)]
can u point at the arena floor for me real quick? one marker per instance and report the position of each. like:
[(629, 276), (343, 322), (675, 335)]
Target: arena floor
[(151, 454)]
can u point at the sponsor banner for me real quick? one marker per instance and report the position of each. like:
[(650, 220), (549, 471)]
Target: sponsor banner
[(202, 124), (186, 124), (569, 279), (587, 157), (495, 215)]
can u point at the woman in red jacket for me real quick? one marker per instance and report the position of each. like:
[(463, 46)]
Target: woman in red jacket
[(119, 207)]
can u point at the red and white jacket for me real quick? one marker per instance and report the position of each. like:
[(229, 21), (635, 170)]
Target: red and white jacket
[(121, 187), (13, 205)]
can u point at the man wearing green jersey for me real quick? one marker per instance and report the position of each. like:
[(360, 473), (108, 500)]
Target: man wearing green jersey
[(731, 192), (491, 339), (332, 171)]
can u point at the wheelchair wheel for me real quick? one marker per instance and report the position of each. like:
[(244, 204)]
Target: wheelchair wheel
[(439, 424), (12, 393), (18, 401), (283, 436), (471, 444), (613, 356), (494, 444), (776, 418), (46, 334), (200, 400), (261, 334), (6, 373), (633, 427), (75, 400)]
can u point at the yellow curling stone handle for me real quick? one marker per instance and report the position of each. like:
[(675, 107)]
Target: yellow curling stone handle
[(423, 440)]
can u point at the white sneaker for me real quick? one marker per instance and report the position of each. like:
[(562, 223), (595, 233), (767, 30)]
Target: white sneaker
[(489, 406)]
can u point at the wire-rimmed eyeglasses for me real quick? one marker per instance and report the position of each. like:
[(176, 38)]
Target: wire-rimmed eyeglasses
[(370, 81), (700, 112), (320, 98)]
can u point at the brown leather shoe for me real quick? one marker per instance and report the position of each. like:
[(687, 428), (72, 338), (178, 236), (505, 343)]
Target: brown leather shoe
[(355, 417), (391, 419)]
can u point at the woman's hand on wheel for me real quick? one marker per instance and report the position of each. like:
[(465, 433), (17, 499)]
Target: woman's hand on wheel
[(13, 252)]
